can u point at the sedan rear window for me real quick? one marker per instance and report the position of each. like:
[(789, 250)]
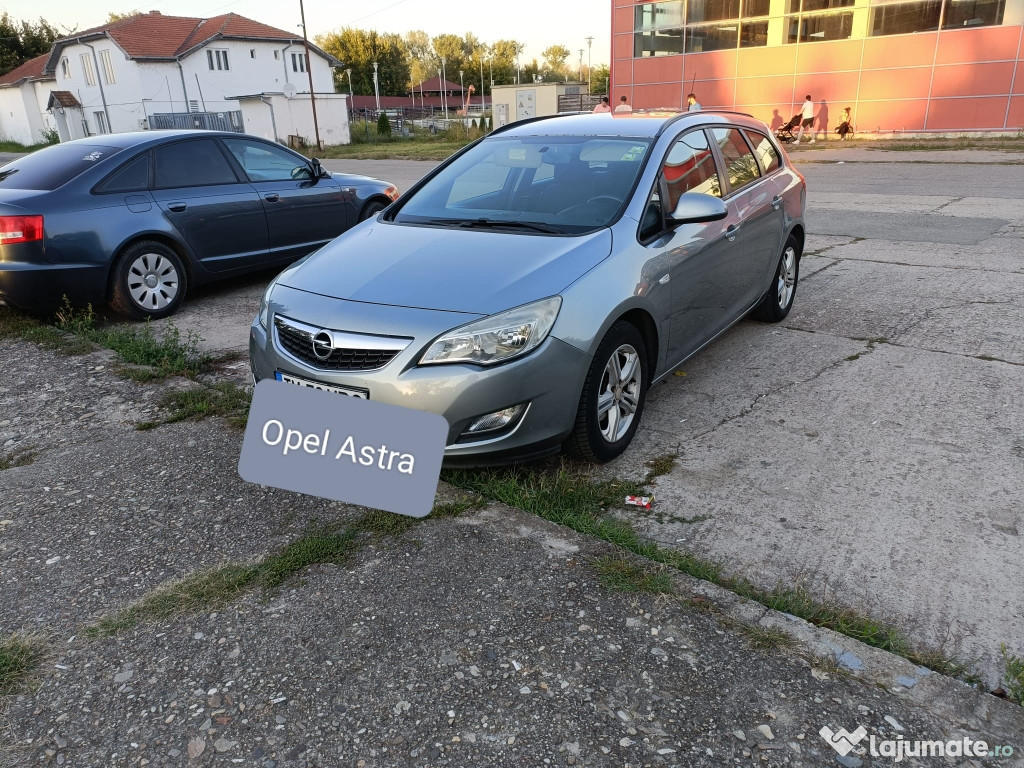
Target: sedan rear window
[(553, 184), (53, 167)]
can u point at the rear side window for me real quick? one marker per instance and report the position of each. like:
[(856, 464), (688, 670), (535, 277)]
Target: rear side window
[(53, 167), (740, 165), (198, 163), (765, 152), (690, 167), (133, 176)]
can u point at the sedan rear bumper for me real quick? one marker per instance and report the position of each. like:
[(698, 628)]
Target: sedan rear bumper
[(549, 380), (42, 287)]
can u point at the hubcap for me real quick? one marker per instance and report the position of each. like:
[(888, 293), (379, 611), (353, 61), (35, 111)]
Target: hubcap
[(787, 277), (619, 393), (153, 281)]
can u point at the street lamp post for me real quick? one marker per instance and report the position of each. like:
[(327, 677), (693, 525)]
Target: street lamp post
[(483, 98), (581, 65), (462, 85), (351, 106), (590, 41), (376, 86), (444, 94)]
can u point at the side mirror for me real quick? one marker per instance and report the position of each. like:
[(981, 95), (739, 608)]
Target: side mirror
[(696, 208), (319, 172)]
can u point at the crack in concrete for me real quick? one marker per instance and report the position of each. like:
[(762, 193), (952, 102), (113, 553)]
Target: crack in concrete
[(929, 266), (950, 202)]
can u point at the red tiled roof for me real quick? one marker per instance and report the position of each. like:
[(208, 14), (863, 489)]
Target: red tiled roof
[(63, 99), (155, 36), (434, 84), (31, 69)]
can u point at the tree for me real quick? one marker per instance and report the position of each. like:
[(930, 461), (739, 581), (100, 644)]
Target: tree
[(22, 40), (423, 64), (357, 49), (451, 49), (554, 57), (504, 54), (112, 16), (599, 77)]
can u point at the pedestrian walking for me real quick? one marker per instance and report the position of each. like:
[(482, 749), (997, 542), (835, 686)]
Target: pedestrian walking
[(807, 121), (692, 104), (603, 105), (623, 106)]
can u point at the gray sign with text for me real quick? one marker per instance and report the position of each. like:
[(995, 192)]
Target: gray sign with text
[(343, 448)]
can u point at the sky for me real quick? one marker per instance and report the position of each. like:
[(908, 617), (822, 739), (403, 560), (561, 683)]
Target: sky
[(537, 23)]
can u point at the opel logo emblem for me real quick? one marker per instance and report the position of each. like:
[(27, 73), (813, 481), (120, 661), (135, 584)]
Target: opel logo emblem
[(323, 345)]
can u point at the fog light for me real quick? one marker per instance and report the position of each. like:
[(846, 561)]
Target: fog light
[(495, 421)]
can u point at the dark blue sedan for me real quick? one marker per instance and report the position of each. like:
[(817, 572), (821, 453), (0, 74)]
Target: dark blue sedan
[(138, 219)]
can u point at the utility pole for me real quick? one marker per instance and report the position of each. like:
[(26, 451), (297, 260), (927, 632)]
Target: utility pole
[(581, 65), (351, 106), (309, 71), (590, 41), (376, 86), (483, 98), (444, 90)]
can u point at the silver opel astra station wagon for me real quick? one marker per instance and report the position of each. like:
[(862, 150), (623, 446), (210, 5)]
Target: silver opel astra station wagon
[(534, 286)]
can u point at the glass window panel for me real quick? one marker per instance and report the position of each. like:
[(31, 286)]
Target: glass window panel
[(753, 34), (712, 10), (825, 5), (655, 15), (133, 176), (904, 18), (765, 152), (264, 162), (825, 26), (191, 164), (973, 13), (690, 167), (755, 7), (664, 42), (741, 166), (712, 37)]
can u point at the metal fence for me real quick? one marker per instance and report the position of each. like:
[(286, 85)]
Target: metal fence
[(210, 121), (578, 102)]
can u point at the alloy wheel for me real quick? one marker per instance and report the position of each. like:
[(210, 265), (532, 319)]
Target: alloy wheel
[(787, 277), (619, 393)]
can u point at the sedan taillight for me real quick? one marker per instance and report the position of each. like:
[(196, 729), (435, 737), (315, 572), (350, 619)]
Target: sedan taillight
[(20, 229)]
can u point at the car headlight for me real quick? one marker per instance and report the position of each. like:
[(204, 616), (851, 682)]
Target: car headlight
[(497, 338), (265, 305)]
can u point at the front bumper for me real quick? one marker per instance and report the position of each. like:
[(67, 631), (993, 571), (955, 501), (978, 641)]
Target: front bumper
[(550, 379)]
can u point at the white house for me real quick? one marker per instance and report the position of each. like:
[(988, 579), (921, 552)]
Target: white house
[(24, 93), (133, 73)]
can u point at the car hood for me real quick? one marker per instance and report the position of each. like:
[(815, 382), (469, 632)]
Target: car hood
[(457, 270)]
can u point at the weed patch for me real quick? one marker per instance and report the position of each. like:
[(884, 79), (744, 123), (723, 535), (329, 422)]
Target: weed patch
[(621, 575), (223, 398), (766, 638), (660, 465), (20, 655), (14, 325), (18, 457), (1014, 675)]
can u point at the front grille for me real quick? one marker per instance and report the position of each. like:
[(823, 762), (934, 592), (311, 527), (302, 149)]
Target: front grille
[(297, 340)]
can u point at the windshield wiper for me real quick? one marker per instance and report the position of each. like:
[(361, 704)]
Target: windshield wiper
[(535, 226)]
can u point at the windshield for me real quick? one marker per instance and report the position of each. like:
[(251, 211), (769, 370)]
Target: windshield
[(530, 184), (52, 167)]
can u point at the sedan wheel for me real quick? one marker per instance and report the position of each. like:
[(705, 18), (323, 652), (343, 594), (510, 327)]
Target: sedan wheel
[(148, 281), (778, 299), (613, 396)]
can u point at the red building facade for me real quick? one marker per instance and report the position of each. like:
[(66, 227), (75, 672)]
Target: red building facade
[(918, 65)]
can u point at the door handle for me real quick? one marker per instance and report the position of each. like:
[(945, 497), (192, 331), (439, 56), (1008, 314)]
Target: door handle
[(273, 197), (177, 207), (730, 232), (776, 202)]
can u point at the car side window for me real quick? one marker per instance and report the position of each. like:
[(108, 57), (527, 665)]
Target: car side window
[(263, 162), (195, 163), (766, 153), (133, 176), (740, 164), (688, 167)]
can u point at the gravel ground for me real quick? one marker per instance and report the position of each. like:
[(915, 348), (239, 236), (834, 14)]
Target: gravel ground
[(480, 640)]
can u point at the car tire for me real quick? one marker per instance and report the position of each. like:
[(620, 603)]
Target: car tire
[(778, 300), (595, 437), (371, 209), (148, 280)]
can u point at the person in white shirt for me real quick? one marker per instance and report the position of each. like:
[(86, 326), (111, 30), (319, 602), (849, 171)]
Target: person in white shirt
[(807, 113), (623, 105), (693, 104)]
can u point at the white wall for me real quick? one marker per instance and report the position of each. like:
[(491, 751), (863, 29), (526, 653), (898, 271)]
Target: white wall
[(123, 96), (14, 124), (294, 117)]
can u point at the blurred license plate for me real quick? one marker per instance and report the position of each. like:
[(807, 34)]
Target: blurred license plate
[(360, 393)]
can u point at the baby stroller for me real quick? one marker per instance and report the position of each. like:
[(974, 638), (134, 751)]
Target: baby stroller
[(785, 132)]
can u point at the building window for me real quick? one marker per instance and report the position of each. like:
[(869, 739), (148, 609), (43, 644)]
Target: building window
[(658, 29), (87, 69), (712, 37), (816, 27), (298, 62), (252, 53), (277, 55), (698, 11), (753, 33), (108, 68), (193, 105), (65, 68), (217, 59), (904, 18), (972, 13), (658, 15), (101, 122)]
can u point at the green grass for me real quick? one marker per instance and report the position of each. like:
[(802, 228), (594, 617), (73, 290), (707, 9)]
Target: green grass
[(766, 638), (624, 575), (14, 325), (1004, 143), (399, 149), (12, 146), (224, 398), (660, 465), (1014, 676), (19, 457), (571, 499), (20, 655)]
